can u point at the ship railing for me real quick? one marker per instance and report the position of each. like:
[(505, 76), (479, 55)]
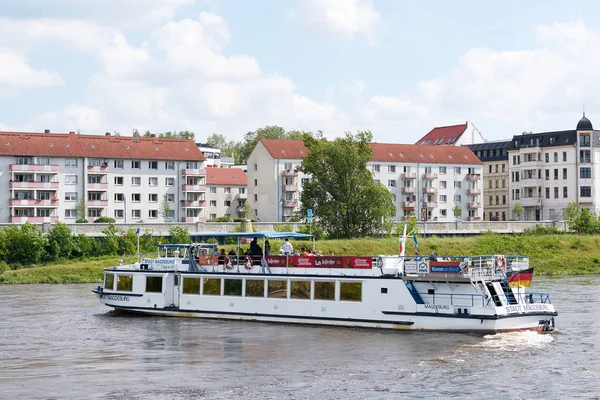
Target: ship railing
[(453, 299), (512, 298)]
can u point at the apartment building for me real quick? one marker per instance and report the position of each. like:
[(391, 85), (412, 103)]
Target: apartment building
[(426, 181), (227, 192), (549, 170), (126, 178), (452, 135), (494, 156)]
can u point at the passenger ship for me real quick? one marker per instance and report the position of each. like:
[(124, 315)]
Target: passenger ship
[(413, 293)]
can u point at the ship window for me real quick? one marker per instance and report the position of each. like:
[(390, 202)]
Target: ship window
[(124, 283), (233, 287), (324, 290), (191, 285), (300, 290), (211, 287), (351, 291), (154, 284), (109, 281), (277, 289), (383, 290), (255, 288), (430, 291)]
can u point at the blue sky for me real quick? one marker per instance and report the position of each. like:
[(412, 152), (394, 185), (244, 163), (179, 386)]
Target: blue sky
[(397, 68)]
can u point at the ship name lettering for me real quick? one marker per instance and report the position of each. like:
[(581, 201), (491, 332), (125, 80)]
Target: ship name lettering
[(438, 306), (117, 297)]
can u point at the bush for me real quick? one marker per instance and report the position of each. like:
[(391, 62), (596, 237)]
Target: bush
[(224, 218), (4, 267), (105, 220), (282, 228), (81, 221), (541, 230)]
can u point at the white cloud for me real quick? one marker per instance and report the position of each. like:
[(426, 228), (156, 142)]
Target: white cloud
[(72, 118), (387, 109), (342, 19), (15, 72)]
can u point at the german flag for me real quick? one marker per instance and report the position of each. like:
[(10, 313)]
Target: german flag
[(517, 279)]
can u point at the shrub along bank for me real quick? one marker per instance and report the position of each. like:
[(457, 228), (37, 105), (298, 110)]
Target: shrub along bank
[(551, 255)]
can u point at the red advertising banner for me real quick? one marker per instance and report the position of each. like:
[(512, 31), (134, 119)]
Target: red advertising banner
[(277, 261), (358, 262), (302, 261), (329, 262)]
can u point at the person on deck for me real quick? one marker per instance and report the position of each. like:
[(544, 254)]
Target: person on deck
[(255, 249), (267, 248), (286, 248)]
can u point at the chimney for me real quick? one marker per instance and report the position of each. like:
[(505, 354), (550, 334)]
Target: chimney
[(153, 135), (107, 134), (46, 130), (527, 133), (72, 133)]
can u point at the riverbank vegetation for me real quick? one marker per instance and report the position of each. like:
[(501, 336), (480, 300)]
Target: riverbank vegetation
[(550, 253)]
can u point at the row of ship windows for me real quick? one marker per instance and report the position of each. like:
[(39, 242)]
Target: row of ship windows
[(247, 287)]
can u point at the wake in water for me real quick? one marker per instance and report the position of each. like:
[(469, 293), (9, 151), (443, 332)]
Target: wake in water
[(515, 341)]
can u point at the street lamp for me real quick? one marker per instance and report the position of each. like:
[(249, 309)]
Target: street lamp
[(282, 200)]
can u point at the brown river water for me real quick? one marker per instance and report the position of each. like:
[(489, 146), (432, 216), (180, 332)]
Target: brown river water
[(58, 342)]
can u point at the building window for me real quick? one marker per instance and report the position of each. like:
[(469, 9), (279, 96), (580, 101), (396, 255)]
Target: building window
[(227, 203), (214, 216), (152, 213), (135, 197), (71, 162), (564, 156), (585, 191), (135, 165), (119, 197), (70, 179), (456, 184), (564, 173), (457, 198), (547, 174), (118, 214), (503, 167), (152, 197), (118, 164), (442, 184), (170, 197), (504, 199), (256, 167), (72, 213), (490, 169), (443, 213), (170, 165), (565, 192), (94, 212), (256, 182), (391, 183), (555, 173), (443, 198), (255, 197), (242, 190), (169, 181), (442, 170), (136, 181), (212, 190), (497, 168), (391, 169), (490, 183), (287, 166), (491, 200), (556, 193), (71, 196), (227, 190), (153, 164), (585, 173), (213, 203), (555, 156), (136, 213), (191, 165), (118, 180), (547, 193), (376, 168), (153, 181), (456, 170)]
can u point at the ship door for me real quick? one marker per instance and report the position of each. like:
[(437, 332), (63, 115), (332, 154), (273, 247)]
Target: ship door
[(176, 289), (172, 284)]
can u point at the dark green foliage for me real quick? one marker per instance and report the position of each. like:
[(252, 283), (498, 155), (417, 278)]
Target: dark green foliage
[(224, 218), (104, 220), (87, 246), (541, 230), (24, 244), (61, 243), (81, 221), (110, 241), (179, 235)]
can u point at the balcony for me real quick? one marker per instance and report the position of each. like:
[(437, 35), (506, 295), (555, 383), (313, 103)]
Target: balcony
[(408, 205), (32, 220), (33, 168), (289, 172), (193, 203), (97, 203), (97, 186), (429, 177), (429, 190), (473, 177), (193, 188), (473, 204), (193, 172), (33, 185), (408, 189), (193, 219), (290, 188), (473, 191), (32, 203), (430, 204), (474, 218), (290, 204), (98, 169), (408, 175)]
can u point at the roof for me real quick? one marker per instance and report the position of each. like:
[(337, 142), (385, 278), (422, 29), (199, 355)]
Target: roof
[(285, 148), (491, 151), (584, 124), (412, 153), (443, 135), (385, 152), (97, 146), (544, 139), (267, 235), (226, 176)]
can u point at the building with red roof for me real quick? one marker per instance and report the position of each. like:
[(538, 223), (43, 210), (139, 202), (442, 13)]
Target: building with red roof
[(427, 181), (453, 135), (130, 179), (226, 192)]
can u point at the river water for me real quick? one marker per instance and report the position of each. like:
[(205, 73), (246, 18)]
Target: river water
[(58, 342)]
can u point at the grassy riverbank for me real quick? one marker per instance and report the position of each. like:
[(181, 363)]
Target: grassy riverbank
[(551, 255)]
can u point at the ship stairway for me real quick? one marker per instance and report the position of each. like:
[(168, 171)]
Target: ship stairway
[(509, 293), (414, 293)]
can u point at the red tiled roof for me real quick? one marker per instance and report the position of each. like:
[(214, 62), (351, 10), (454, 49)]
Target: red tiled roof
[(226, 176), (283, 148), (412, 153), (97, 146), (385, 152), (443, 135)]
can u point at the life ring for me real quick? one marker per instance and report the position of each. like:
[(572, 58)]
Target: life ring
[(500, 263), (227, 262), (248, 262)]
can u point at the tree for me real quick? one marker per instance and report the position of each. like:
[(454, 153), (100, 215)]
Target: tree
[(571, 212), (81, 209), (247, 212), (517, 210), (228, 148), (179, 235), (61, 243), (457, 211), (165, 210), (341, 191), (25, 244)]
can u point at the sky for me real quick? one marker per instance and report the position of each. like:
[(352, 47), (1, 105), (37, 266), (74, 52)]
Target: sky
[(396, 68)]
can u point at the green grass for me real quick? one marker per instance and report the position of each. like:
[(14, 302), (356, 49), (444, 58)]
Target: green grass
[(551, 255)]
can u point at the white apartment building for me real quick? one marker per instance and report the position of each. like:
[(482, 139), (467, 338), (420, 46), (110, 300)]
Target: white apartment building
[(427, 181), (212, 155), (227, 192), (549, 170), (125, 178)]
